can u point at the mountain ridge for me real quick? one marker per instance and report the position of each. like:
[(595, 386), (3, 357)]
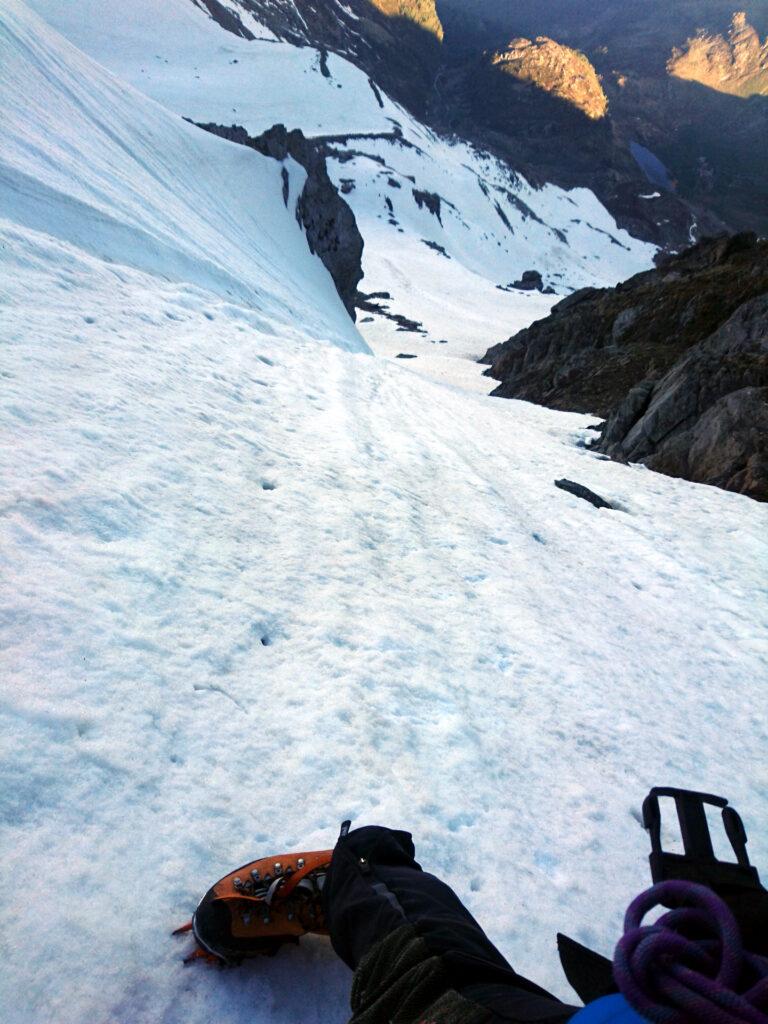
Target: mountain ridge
[(714, 143)]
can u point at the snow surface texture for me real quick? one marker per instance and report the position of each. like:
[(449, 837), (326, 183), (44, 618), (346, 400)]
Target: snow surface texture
[(443, 270), (254, 583)]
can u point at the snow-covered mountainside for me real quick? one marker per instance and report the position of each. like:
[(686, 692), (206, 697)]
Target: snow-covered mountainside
[(92, 163), (256, 580), (445, 227)]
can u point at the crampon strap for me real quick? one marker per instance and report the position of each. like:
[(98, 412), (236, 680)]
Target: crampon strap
[(691, 964)]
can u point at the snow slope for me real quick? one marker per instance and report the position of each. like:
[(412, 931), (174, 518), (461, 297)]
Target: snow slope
[(253, 583), (443, 271), (94, 163), (451, 270), (173, 51), (244, 599)]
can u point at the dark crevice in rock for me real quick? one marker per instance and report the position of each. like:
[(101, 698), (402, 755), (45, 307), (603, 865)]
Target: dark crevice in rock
[(504, 219), (286, 184), (376, 92)]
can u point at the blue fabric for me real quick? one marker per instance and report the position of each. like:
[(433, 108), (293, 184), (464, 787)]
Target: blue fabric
[(609, 1010)]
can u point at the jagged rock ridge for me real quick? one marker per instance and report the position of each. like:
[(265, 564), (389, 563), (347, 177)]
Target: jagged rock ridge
[(736, 64), (539, 105), (559, 70), (713, 145), (676, 358)]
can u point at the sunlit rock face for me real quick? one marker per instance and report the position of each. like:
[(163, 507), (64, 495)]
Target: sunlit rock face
[(559, 70), (420, 12), (736, 64)]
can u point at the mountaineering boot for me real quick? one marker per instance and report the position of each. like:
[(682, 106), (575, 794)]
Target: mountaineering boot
[(260, 907)]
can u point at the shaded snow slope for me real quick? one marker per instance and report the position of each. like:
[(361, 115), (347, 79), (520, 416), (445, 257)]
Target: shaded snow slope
[(92, 162), (442, 270)]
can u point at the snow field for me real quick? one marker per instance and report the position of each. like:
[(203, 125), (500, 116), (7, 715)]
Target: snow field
[(93, 162), (246, 599), (174, 52)]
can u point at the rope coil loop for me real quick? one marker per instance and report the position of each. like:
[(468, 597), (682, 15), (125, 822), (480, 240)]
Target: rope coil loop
[(690, 965)]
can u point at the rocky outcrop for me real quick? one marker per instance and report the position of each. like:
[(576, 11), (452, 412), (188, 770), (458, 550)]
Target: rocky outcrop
[(227, 18), (675, 358), (556, 69), (531, 281), (736, 64), (429, 201), (330, 226), (706, 419)]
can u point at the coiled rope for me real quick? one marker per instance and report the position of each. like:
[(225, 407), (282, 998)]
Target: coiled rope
[(690, 965)]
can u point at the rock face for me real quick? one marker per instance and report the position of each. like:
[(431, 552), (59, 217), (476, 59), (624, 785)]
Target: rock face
[(675, 358), (542, 107), (556, 69), (707, 418), (736, 64), (328, 221)]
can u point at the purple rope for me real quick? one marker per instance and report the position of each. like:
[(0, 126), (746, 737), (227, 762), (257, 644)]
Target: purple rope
[(670, 977)]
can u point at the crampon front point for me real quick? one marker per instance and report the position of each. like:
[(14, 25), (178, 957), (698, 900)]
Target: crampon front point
[(260, 907)]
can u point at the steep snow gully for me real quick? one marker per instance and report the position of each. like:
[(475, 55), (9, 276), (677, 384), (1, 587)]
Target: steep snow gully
[(256, 580)]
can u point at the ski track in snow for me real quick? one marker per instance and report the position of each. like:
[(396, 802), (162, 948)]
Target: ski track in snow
[(254, 583)]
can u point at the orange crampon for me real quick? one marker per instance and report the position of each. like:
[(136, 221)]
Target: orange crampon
[(260, 907)]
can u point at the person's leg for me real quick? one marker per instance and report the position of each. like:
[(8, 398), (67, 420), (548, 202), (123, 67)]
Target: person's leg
[(409, 937)]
